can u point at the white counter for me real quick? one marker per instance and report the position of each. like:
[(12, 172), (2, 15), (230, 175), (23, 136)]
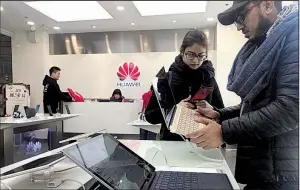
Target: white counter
[(10, 122), (177, 155), (112, 116)]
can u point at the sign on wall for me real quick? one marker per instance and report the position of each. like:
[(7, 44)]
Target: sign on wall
[(128, 76), (16, 94)]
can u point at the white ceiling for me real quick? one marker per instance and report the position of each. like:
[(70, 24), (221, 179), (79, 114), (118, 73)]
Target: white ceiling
[(14, 13)]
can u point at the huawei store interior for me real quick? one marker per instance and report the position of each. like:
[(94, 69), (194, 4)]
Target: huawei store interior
[(129, 94)]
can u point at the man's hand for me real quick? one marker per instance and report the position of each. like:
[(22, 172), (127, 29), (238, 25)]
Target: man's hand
[(205, 109), (186, 103), (207, 137)]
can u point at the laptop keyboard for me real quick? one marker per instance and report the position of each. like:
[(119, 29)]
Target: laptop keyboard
[(175, 180), (186, 123)]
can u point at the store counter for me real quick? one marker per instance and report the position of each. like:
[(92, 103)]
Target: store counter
[(112, 116), (164, 155), (10, 126)]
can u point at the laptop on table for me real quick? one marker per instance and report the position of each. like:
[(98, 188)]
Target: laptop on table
[(178, 119), (117, 167)]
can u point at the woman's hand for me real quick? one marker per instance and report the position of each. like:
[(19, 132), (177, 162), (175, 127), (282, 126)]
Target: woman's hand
[(186, 103)]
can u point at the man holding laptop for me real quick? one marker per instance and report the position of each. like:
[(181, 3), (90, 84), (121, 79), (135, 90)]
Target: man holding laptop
[(265, 75)]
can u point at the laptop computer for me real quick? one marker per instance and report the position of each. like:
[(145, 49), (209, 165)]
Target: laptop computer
[(117, 167), (178, 119)]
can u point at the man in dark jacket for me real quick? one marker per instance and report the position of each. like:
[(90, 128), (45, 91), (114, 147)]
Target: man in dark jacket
[(52, 93), (265, 75)]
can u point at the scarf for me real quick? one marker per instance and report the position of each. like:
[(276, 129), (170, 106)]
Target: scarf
[(254, 66)]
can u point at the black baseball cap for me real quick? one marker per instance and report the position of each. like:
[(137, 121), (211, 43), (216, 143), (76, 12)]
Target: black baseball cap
[(228, 17)]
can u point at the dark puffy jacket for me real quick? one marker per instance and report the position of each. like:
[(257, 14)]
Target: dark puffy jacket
[(267, 131), (184, 82), (52, 94)]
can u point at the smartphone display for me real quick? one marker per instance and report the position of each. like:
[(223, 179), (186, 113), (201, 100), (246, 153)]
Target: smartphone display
[(202, 94), (68, 109), (50, 110), (37, 109), (16, 108)]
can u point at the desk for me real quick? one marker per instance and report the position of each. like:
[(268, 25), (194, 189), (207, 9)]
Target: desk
[(176, 153), (10, 126), (145, 125)]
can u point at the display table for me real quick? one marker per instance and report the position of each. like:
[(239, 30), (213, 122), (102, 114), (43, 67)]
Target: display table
[(145, 125), (112, 116), (10, 126), (175, 156)]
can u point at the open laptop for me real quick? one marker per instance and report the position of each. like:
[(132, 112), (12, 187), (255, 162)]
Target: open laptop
[(117, 167), (178, 119)]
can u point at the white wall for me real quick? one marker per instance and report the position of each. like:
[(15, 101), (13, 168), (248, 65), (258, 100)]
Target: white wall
[(95, 75), (229, 42), (30, 63)]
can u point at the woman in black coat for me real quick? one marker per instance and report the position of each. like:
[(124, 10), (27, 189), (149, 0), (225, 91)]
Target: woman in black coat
[(189, 72)]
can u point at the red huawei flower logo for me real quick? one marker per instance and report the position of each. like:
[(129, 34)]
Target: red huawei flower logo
[(128, 70)]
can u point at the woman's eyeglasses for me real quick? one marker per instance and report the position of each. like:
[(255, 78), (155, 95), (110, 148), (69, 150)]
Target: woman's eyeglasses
[(240, 19), (191, 56)]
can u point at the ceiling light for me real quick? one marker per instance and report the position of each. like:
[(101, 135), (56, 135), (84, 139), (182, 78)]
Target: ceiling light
[(174, 21), (210, 19), (93, 26), (30, 23), (151, 8), (120, 8), (56, 28), (132, 24), (62, 11), (1, 8)]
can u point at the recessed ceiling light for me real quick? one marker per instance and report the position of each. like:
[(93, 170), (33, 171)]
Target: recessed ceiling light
[(174, 21), (120, 8), (93, 26), (62, 11), (30, 23), (1, 8), (151, 8), (132, 24), (210, 19), (56, 28)]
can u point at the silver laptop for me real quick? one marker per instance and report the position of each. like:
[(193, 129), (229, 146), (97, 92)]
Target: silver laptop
[(117, 167)]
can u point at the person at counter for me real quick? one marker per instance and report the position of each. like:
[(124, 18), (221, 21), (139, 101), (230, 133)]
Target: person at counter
[(117, 96), (52, 94), (265, 74), (190, 71)]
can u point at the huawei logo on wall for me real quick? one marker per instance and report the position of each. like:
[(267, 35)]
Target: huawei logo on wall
[(128, 75), (128, 70)]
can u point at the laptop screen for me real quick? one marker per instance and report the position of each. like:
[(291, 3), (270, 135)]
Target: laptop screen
[(111, 161), (164, 95)]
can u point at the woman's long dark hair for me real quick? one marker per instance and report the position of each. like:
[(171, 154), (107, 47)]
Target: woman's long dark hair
[(117, 91), (194, 36)]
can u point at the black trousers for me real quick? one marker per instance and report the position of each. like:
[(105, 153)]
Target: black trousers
[(270, 186)]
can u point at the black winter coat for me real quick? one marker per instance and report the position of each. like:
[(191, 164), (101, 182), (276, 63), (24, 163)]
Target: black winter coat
[(267, 131), (185, 82), (52, 94)]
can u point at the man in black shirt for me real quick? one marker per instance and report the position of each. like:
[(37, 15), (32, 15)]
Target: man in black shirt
[(52, 93)]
